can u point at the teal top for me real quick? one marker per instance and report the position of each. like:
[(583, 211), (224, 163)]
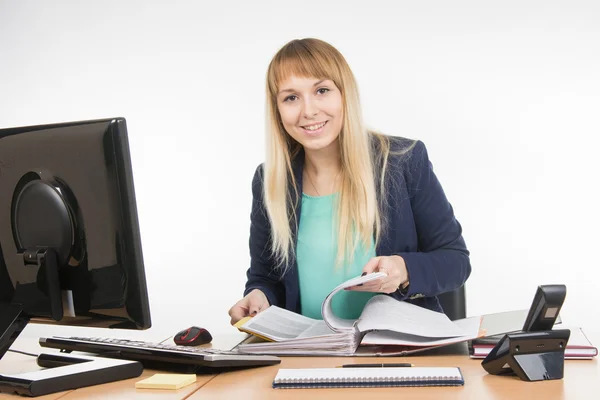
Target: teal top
[(316, 253)]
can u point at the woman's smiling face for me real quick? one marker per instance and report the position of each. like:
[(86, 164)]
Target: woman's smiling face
[(311, 111)]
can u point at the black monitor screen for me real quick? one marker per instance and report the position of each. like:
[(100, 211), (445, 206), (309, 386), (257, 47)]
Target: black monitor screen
[(68, 219)]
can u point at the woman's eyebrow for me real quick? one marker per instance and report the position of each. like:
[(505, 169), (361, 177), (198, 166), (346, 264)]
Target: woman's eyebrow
[(293, 90)]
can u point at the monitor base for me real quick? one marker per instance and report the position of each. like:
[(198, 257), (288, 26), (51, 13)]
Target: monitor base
[(62, 372), (67, 373), (12, 322)]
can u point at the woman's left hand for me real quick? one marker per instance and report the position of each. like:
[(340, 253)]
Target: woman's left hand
[(395, 269)]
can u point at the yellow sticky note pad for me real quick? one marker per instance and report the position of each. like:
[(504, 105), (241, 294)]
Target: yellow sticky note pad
[(166, 381)]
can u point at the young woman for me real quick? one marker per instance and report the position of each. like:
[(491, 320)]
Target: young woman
[(333, 200)]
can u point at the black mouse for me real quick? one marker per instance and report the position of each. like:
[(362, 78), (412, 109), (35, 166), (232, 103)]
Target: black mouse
[(193, 336)]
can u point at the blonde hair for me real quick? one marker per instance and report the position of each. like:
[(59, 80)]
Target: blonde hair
[(358, 211)]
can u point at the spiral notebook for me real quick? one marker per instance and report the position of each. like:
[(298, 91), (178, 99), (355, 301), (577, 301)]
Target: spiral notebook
[(367, 377)]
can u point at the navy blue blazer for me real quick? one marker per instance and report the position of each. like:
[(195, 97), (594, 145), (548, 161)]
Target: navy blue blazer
[(420, 227)]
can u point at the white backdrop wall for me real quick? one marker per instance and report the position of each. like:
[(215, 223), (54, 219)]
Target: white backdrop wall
[(506, 96)]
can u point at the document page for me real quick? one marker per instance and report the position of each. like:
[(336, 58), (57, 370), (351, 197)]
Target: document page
[(279, 324), (470, 326), (334, 322), (328, 344), (320, 328), (383, 312)]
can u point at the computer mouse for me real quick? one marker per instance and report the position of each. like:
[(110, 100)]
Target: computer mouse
[(192, 336)]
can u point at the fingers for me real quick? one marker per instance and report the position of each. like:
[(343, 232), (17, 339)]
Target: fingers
[(382, 285), (237, 312), (375, 287), (371, 266), (255, 306), (388, 287), (372, 286), (393, 266), (257, 302), (252, 304)]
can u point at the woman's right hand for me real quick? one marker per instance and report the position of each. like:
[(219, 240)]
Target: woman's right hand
[(253, 303)]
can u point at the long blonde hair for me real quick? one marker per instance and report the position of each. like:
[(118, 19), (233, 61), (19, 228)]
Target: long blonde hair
[(358, 211)]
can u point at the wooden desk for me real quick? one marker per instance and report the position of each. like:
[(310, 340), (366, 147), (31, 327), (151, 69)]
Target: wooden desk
[(13, 363), (115, 390), (125, 389), (581, 381)]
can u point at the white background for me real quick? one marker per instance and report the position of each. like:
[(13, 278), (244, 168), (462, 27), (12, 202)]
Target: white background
[(506, 96)]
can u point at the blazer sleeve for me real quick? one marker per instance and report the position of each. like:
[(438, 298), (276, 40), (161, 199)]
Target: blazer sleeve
[(442, 262), (262, 273)]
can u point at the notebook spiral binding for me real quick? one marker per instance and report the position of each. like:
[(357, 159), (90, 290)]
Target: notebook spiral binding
[(384, 377)]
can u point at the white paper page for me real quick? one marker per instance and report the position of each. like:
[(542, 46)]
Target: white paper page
[(334, 322), (279, 324), (504, 322), (320, 342), (386, 313), (499, 323), (337, 343), (320, 328), (467, 325)]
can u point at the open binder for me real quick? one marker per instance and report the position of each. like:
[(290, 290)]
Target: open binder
[(385, 327)]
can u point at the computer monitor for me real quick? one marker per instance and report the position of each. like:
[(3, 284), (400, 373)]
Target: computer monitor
[(70, 248)]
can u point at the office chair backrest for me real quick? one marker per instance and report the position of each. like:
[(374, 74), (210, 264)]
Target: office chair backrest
[(454, 303)]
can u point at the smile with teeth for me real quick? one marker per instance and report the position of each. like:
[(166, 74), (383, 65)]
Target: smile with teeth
[(314, 127)]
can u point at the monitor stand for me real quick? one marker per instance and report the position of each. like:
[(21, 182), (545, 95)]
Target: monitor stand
[(61, 372)]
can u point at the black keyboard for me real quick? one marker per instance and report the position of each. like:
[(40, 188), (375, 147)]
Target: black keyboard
[(161, 356)]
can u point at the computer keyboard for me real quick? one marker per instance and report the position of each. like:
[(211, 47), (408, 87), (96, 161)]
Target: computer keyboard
[(161, 356)]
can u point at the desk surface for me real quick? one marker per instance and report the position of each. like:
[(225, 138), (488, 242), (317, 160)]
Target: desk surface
[(116, 390), (581, 380), (17, 363), (126, 389)]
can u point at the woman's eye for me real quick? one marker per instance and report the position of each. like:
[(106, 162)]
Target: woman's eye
[(322, 90), (290, 98)]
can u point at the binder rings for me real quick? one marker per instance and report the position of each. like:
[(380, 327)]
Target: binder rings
[(367, 377)]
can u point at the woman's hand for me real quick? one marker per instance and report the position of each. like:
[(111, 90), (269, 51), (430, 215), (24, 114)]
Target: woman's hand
[(252, 304), (395, 269)]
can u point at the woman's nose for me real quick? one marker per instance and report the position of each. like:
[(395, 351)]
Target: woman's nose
[(310, 109)]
